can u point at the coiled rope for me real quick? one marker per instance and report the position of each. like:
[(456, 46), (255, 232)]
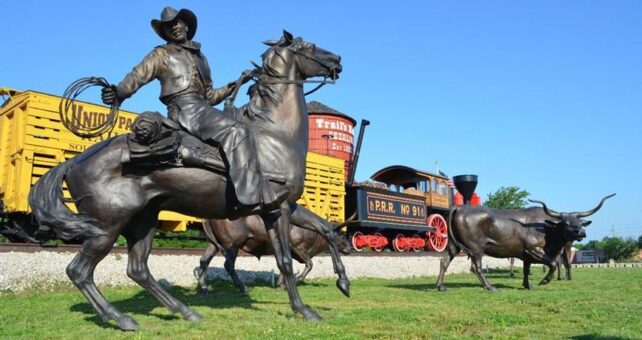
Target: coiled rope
[(70, 116)]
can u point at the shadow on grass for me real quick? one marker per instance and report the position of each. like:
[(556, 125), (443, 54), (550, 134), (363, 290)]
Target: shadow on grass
[(503, 273), (221, 294), (595, 337), (143, 303), (454, 285)]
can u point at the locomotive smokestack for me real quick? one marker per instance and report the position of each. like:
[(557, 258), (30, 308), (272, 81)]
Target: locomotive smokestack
[(355, 156), (466, 185)]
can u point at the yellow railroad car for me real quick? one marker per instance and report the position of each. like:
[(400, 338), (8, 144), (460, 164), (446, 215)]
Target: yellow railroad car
[(33, 140)]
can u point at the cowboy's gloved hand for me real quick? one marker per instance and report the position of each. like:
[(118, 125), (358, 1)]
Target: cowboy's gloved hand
[(246, 76), (109, 95)]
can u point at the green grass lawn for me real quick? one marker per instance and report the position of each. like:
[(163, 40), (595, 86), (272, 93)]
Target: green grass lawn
[(598, 303)]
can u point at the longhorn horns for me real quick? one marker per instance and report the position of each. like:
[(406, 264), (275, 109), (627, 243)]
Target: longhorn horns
[(346, 222), (548, 212), (555, 214), (594, 210)]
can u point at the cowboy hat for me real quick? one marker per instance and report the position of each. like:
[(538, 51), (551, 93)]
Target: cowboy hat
[(170, 14)]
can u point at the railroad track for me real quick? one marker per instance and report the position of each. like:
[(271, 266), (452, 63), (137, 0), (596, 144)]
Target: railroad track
[(73, 248)]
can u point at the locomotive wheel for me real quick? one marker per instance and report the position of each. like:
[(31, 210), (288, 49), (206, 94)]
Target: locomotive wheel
[(416, 250), (395, 243), (354, 240), (437, 240), (378, 248)]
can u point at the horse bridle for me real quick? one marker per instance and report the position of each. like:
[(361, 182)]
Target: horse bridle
[(232, 97), (301, 82)]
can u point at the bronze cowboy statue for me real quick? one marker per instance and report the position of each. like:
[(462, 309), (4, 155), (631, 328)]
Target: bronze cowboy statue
[(119, 187), (186, 89)]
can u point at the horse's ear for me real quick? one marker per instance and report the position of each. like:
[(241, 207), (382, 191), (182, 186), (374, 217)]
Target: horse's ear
[(288, 36), (270, 42)]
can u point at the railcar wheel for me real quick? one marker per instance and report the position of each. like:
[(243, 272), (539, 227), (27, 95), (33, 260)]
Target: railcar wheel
[(354, 238), (395, 243), (377, 249), (437, 240)]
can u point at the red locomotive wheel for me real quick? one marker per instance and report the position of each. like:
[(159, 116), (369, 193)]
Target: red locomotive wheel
[(396, 242), (418, 237), (355, 240), (378, 248), (438, 240)]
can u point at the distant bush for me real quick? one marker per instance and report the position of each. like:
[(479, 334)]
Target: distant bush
[(617, 249)]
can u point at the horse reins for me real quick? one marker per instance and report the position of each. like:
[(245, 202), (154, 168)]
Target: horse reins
[(232, 97)]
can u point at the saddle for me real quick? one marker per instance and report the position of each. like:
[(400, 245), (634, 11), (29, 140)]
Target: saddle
[(156, 140)]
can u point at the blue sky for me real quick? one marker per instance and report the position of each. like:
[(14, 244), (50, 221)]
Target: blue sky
[(541, 95)]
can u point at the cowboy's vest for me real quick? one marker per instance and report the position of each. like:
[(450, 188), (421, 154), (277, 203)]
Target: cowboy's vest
[(175, 67), (183, 67)]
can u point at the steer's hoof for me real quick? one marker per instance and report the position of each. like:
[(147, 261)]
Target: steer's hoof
[(344, 286), (126, 323)]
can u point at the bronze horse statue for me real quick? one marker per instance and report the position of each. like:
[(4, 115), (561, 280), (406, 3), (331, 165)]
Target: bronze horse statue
[(249, 234), (119, 198)]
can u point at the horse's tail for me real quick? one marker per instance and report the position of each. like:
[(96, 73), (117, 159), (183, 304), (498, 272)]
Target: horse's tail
[(48, 206)]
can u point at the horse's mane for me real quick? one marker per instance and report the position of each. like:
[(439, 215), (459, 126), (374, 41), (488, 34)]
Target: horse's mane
[(260, 92)]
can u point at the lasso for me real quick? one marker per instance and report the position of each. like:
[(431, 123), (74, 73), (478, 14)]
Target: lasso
[(75, 123)]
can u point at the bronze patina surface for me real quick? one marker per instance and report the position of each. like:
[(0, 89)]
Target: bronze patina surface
[(114, 197)]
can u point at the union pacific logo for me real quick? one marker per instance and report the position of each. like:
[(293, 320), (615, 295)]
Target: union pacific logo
[(92, 119)]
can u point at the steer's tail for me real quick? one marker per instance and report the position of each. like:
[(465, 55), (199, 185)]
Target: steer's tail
[(451, 232), (48, 206)]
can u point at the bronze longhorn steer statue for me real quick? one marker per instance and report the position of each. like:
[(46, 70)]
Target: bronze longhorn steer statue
[(249, 234), (534, 235)]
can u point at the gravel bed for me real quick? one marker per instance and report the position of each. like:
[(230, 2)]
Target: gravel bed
[(46, 270)]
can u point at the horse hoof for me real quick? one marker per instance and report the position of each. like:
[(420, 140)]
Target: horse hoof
[(527, 287), (492, 289), (442, 288), (543, 282), (192, 316), (344, 286), (127, 323), (311, 315)]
